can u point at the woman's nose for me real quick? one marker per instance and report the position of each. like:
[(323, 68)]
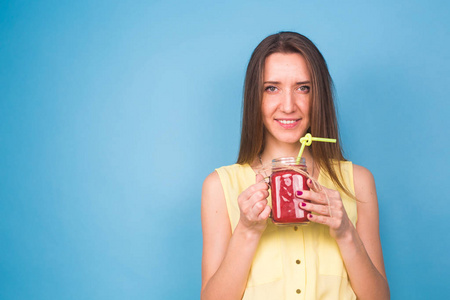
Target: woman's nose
[(287, 103)]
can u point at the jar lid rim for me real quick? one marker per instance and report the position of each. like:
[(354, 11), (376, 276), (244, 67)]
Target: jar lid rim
[(289, 159)]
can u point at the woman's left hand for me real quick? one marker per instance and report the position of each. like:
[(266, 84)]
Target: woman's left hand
[(330, 212)]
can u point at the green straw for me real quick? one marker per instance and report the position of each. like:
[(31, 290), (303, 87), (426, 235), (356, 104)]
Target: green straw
[(307, 141)]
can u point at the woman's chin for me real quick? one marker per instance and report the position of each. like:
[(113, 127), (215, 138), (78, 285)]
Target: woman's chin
[(285, 137), (289, 140)]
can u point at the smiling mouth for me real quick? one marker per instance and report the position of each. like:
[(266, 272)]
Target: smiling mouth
[(288, 124)]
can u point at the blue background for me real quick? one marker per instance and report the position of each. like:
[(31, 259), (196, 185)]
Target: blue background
[(112, 114)]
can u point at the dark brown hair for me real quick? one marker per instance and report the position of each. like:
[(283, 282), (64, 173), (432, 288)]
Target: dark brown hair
[(323, 114)]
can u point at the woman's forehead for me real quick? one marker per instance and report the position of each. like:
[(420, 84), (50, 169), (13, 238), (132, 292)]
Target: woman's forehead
[(286, 66)]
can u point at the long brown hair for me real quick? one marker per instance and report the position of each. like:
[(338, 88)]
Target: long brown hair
[(323, 113)]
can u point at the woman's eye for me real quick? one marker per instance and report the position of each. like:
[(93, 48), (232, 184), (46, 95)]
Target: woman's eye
[(304, 88), (270, 89)]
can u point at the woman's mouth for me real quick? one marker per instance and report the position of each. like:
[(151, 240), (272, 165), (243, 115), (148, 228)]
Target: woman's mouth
[(288, 123)]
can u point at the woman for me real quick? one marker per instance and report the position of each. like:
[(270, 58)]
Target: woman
[(288, 93)]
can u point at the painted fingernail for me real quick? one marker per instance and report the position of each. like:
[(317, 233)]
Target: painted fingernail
[(309, 215), (299, 193), (303, 204)]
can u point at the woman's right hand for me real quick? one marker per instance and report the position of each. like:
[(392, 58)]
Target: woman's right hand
[(253, 206)]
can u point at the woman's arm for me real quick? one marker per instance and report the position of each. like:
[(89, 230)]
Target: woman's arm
[(360, 247), (227, 256)]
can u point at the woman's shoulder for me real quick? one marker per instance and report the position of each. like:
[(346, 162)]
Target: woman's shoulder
[(358, 171), (233, 168), (358, 176), (364, 181), (361, 173), (225, 171), (211, 180), (235, 171)]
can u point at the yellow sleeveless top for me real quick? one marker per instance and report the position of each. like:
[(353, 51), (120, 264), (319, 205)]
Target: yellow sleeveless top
[(293, 262)]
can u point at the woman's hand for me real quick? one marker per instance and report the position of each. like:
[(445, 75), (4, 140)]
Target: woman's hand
[(330, 212), (253, 206)]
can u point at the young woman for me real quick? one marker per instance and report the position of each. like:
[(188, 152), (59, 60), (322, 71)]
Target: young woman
[(288, 93)]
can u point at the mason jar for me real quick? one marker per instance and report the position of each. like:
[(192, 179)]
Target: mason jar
[(286, 179)]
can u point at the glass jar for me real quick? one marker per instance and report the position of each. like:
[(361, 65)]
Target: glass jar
[(285, 181)]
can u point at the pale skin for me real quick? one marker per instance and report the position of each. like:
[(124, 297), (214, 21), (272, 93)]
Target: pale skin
[(227, 255)]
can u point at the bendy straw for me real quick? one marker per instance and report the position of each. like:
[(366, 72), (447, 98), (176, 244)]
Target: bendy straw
[(307, 141)]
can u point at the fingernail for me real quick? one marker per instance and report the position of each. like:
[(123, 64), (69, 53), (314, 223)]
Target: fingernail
[(309, 215), (299, 193), (303, 204)]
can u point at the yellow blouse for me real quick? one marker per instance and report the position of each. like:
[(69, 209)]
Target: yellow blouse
[(293, 262)]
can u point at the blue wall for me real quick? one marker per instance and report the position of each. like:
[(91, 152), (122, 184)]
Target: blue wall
[(112, 113)]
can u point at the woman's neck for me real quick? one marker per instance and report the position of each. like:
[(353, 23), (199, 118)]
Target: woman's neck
[(272, 151)]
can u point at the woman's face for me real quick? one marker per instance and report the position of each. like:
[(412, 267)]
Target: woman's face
[(286, 98)]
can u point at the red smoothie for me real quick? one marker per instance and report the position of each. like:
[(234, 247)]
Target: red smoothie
[(284, 184)]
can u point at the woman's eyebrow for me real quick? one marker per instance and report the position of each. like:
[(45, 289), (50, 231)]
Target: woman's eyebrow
[(277, 82)]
